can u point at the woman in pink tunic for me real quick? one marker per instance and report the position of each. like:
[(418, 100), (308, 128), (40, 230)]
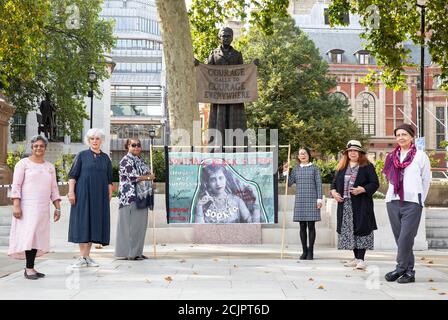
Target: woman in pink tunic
[(34, 186)]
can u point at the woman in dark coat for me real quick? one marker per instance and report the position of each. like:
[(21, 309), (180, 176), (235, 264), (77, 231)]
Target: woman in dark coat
[(353, 187), (90, 191)]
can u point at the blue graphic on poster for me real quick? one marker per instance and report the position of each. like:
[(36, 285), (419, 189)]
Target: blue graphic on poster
[(221, 188)]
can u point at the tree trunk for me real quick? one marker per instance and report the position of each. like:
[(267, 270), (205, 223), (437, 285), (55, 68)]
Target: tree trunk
[(180, 73)]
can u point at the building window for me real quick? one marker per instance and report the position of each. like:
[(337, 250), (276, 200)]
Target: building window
[(139, 67), (365, 113), (440, 129), (346, 18), (363, 57), (340, 96), (18, 127), (335, 55), (136, 101), (437, 82)]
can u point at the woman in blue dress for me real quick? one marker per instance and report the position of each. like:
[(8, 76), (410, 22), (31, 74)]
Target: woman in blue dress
[(90, 191)]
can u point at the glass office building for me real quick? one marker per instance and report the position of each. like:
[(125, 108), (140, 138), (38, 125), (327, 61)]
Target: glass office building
[(138, 82)]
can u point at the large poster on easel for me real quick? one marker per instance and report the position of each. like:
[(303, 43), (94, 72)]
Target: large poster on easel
[(221, 188)]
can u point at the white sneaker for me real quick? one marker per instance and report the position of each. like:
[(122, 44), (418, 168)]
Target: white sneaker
[(80, 263), (91, 262), (352, 263), (361, 265)]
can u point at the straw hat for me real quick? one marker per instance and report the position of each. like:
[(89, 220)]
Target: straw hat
[(354, 145)]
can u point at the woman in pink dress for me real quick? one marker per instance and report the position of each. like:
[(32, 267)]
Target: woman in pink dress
[(34, 186)]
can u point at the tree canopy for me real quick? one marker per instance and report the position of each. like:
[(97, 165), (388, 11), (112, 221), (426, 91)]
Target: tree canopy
[(48, 46), (207, 16), (389, 25), (294, 91)]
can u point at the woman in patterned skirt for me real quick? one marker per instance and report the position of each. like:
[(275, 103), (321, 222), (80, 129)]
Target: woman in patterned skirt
[(353, 187), (308, 199)]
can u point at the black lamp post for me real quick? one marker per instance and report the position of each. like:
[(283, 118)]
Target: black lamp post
[(422, 5), (92, 80)]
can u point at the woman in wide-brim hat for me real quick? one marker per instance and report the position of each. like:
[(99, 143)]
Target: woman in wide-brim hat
[(353, 187)]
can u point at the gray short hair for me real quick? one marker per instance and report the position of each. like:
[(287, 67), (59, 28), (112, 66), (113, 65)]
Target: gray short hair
[(38, 137), (94, 132)]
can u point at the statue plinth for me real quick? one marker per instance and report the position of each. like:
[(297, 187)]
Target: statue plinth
[(6, 111)]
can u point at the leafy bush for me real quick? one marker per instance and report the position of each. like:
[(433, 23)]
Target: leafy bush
[(379, 165), (379, 195), (158, 163), (115, 171), (63, 166), (15, 156), (327, 169)]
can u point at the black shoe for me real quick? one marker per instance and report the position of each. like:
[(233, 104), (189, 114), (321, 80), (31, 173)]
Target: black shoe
[(30, 276), (40, 275), (304, 254), (310, 255), (406, 278), (144, 257), (393, 276)]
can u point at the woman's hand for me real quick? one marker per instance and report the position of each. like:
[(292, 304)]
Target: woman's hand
[(319, 205), (205, 199), (17, 212), (56, 215), (285, 168), (357, 190), (337, 196), (71, 197)]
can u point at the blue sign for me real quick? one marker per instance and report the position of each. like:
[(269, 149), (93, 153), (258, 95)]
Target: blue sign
[(420, 143)]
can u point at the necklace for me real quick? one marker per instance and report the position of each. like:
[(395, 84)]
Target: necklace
[(222, 213)]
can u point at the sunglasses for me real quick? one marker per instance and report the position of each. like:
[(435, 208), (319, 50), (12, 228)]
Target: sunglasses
[(135, 145)]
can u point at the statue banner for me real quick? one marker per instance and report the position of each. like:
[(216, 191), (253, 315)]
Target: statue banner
[(227, 84), (221, 188)]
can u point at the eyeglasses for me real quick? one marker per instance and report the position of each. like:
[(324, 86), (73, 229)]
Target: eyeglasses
[(37, 146), (135, 145)]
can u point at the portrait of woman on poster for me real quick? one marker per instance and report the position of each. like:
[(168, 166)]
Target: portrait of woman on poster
[(223, 200)]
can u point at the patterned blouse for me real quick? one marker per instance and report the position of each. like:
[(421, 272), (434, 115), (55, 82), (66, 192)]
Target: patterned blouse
[(128, 178), (349, 179)]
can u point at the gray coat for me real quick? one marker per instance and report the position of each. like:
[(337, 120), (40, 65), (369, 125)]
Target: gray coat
[(308, 190)]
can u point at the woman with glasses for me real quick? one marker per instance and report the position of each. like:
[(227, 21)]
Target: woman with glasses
[(134, 192), (90, 192), (34, 186)]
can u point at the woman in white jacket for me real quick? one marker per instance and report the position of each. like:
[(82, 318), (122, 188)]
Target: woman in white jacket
[(408, 171)]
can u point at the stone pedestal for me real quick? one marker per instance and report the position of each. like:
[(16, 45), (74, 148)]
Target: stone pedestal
[(227, 233), (6, 111)]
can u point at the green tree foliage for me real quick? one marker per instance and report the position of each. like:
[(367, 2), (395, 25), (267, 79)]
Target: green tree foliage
[(56, 43), (15, 156), (21, 37), (389, 24), (207, 16), (294, 91)]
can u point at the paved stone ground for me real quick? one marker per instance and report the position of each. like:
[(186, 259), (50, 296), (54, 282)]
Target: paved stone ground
[(211, 272)]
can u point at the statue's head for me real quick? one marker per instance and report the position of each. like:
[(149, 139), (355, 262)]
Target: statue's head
[(47, 96), (226, 36)]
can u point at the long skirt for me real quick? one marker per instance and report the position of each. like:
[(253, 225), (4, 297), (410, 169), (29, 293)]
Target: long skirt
[(347, 240), (131, 231)]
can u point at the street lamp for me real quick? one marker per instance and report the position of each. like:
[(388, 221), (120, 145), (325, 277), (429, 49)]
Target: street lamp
[(422, 5), (92, 80)]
